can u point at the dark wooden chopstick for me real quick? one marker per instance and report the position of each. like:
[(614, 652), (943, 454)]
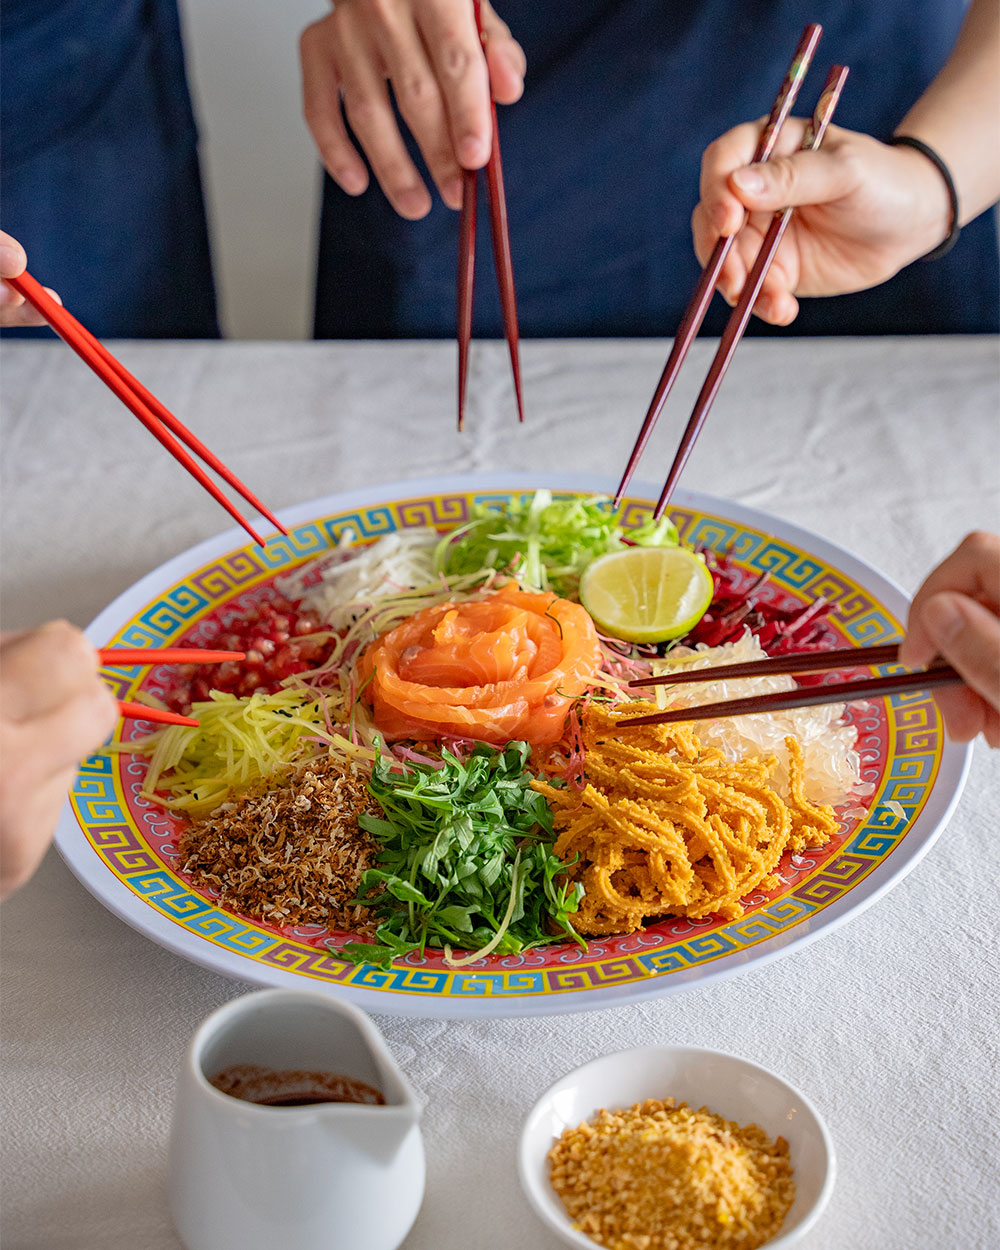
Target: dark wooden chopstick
[(466, 281), (695, 312), (496, 200), (740, 316), (812, 696), (129, 657), (797, 662), (158, 419)]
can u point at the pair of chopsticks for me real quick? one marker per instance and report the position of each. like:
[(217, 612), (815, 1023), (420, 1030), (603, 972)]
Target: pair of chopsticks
[(698, 305), (128, 657), (158, 419), (496, 199), (809, 662)]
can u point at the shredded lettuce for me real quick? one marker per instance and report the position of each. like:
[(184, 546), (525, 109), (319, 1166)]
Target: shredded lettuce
[(546, 543)]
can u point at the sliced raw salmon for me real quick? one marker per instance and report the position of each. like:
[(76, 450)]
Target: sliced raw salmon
[(501, 668)]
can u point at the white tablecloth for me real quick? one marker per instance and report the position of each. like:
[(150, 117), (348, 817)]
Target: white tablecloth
[(888, 448)]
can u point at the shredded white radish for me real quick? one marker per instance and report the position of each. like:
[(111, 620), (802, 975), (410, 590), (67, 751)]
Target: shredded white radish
[(333, 586), (832, 765)]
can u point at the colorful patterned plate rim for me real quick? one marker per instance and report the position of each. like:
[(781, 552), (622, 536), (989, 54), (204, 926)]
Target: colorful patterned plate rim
[(121, 848)]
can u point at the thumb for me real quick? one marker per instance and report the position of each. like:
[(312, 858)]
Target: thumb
[(967, 635), (12, 257), (505, 58), (789, 181)]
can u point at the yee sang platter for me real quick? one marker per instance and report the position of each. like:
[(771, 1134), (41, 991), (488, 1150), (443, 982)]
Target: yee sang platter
[(425, 764)]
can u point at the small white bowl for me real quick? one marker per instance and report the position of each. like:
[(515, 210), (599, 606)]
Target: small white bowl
[(731, 1087)]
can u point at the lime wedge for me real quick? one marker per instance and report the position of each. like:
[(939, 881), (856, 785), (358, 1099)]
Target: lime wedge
[(647, 594)]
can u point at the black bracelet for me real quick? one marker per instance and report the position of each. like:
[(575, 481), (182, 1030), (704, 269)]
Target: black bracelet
[(955, 229)]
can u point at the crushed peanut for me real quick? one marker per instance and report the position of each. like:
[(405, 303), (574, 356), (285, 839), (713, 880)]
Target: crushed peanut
[(291, 855), (660, 1176)]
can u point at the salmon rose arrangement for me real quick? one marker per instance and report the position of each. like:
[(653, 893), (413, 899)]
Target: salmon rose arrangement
[(504, 668), (428, 746)]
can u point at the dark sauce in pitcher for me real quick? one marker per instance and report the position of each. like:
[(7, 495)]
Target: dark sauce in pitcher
[(269, 1087)]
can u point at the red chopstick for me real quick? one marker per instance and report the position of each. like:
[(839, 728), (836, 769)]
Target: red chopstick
[(740, 316), (797, 662), (496, 199), (120, 657), (139, 711), (127, 657), (812, 696), (158, 419), (695, 312)]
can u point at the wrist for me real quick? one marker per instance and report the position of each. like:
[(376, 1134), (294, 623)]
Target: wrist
[(933, 225)]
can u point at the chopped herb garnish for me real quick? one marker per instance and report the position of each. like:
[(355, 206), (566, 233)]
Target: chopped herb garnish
[(466, 859)]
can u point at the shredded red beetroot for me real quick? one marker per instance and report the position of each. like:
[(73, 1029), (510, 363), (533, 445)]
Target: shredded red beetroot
[(567, 758), (778, 630), (273, 636)]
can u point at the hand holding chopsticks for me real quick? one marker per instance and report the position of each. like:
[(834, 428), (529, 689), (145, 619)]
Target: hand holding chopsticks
[(15, 311), (160, 422), (497, 202), (54, 710), (740, 316), (812, 696), (737, 323), (695, 312)]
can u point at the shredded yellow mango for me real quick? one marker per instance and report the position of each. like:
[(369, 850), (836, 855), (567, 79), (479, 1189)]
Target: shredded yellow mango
[(240, 741)]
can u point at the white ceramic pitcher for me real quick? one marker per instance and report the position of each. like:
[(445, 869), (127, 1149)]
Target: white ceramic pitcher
[(326, 1176)]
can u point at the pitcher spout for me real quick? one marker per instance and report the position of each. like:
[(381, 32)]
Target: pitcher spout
[(378, 1133)]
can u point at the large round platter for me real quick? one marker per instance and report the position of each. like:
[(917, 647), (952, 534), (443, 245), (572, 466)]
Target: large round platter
[(123, 848)]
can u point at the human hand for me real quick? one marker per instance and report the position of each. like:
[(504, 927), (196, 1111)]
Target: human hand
[(956, 615), (429, 50), (54, 709), (864, 210), (14, 309)]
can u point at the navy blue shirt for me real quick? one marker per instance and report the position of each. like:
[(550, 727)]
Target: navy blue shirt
[(99, 176), (601, 164)]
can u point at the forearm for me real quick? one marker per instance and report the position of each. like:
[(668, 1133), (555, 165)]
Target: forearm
[(959, 113)]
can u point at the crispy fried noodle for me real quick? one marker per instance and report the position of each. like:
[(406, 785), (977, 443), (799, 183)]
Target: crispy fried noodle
[(665, 826)]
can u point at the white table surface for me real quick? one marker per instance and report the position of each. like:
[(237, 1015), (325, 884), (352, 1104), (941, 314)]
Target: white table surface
[(888, 448)]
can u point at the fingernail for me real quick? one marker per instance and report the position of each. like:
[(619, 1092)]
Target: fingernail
[(452, 193), (472, 151), (749, 180), (353, 181), (413, 203), (720, 217), (942, 619), (11, 260), (514, 62)]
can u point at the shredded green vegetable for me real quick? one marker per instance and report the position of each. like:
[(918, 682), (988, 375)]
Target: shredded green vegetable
[(239, 742), (466, 860), (545, 542)]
